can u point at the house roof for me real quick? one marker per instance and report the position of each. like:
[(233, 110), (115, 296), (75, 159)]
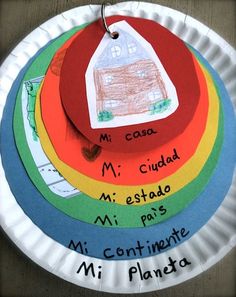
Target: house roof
[(121, 51)]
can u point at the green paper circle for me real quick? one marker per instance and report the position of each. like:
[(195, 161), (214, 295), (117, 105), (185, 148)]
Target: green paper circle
[(87, 209)]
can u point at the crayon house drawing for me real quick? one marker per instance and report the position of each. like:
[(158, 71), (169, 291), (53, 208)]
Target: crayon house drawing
[(129, 85)]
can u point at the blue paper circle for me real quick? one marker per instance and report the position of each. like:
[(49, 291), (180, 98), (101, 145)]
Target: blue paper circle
[(118, 243)]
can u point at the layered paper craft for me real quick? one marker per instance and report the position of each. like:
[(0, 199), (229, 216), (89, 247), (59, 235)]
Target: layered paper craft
[(73, 116), (64, 229)]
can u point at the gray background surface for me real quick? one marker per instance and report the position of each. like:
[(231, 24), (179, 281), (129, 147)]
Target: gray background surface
[(21, 277)]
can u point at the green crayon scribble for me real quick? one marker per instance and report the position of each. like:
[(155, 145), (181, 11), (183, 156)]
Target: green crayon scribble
[(105, 116), (160, 106), (32, 89)]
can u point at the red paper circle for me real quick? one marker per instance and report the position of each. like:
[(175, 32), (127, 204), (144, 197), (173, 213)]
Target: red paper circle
[(178, 63)]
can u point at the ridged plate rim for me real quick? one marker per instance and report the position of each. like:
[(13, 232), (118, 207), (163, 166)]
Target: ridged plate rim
[(207, 246)]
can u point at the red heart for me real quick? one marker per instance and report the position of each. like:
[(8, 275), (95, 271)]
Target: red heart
[(91, 154)]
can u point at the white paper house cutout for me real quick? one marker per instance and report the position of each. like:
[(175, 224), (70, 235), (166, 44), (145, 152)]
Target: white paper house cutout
[(126, 83)]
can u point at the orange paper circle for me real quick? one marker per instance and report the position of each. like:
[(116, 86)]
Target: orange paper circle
[(143, 193), (116, 168)]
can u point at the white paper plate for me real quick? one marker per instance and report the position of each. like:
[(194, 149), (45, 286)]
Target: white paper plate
[(205, 248)]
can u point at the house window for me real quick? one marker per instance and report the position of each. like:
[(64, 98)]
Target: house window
[(141, 73), (115, 51), (155, 95), (132, 48), (108, 79), (111, 103)]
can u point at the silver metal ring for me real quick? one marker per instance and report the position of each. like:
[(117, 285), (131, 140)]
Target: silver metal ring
[(113, 35)]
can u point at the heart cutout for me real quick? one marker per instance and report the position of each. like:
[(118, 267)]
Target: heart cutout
[(92, 153)]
